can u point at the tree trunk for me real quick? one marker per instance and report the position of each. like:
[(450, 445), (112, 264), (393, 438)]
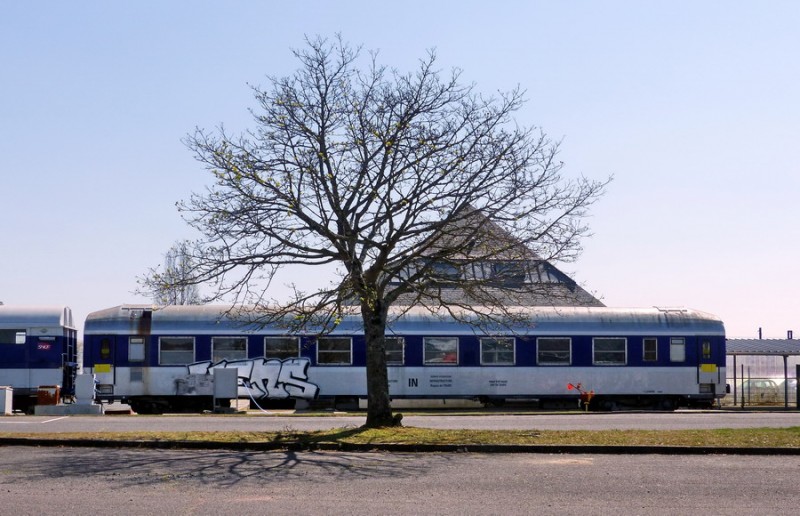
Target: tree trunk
[(379, 411)]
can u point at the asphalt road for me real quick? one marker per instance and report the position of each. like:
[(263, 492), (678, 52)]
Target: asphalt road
[(49, 481), (255, 423)]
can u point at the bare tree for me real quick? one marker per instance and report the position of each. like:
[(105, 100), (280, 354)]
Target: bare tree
[(393, 178), (173, 285)]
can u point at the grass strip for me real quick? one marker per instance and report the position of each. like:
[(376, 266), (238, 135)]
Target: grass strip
[(733, 438)]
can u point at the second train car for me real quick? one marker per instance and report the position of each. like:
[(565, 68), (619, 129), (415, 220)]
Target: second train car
[(163, 359), (38, 353)]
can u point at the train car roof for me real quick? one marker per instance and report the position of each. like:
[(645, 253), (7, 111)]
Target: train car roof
[(218, 320), (25, 317)]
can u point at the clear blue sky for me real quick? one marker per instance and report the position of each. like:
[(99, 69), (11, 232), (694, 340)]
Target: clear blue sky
[(694, 107)]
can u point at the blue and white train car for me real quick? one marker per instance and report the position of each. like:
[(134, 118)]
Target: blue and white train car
[(161, 359), (38, 348)]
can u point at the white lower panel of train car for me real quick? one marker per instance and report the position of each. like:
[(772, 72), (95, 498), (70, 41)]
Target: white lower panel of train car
[(30, 379), (515, 381), (294, 378)]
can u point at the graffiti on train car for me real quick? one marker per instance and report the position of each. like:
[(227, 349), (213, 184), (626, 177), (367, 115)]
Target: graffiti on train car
[(267, 378)]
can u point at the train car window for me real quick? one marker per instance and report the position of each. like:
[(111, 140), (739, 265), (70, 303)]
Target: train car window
[(441, 350), (281, 347), (554, 351), (334, 351), (706, 349), (136, 349), (497, 351), (175, 350), (228, 348), (395, 350), (677, 349), (650, 349), (105, 349), (12, 336), (609, 351)]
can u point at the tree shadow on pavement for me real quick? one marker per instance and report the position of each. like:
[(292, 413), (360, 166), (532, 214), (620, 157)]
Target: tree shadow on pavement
[(220, 468)]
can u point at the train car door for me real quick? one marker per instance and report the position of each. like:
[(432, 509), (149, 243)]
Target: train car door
[(104, 371), (707, 369), (69, 362)]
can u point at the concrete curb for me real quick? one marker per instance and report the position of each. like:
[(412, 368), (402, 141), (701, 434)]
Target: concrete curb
[(400, 448)]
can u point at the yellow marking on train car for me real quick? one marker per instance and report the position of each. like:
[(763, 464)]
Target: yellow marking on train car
[(708, 368), (102, 368)]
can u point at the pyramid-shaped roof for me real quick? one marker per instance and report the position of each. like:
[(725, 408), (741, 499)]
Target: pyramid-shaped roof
[(503, 268)]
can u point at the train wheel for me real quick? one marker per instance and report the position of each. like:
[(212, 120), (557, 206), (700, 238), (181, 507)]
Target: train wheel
[(137, 407), (602, 405), (345, 403), (668, 404), (147, 407)]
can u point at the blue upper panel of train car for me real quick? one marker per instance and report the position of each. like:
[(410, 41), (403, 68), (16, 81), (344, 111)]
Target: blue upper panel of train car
[(595, 321), (41, 320)]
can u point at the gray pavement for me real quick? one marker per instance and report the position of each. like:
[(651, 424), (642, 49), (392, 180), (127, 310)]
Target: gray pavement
[(55, 481)]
